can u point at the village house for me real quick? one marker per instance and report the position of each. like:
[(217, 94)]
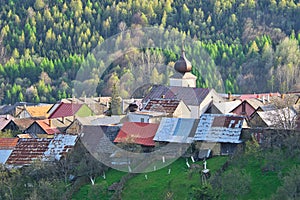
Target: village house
[(247, 107), (145, 116), (25, 151), (223, 107), (36, 112), (4, 121), (285, 118), (219, 133), (18, 125), (137, 133), (48, 127), (170, 107), (176, 130)]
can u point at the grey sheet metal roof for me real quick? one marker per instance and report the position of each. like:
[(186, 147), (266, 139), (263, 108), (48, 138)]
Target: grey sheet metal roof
[(219, 128), (178, 130), (59, 146)]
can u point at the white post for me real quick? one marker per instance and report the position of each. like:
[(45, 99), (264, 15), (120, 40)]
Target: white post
[(163, 159), (193, 159), (169, 171)]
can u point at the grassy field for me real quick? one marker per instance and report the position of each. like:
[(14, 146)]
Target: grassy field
[(158, 185), (178, 184)]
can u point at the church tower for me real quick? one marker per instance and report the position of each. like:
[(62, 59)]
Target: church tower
[(183, 77)]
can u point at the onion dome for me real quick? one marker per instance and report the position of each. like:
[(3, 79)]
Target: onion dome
[(183, 65)]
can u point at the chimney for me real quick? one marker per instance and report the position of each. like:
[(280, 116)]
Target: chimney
[(50, 122), (229, 95), (163, 96), (282, 96), (268, 98), (263, 99), (7, 117), (63, 120)]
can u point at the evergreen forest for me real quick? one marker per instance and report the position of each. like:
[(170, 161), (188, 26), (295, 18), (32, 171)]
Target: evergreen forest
[(44, 43)]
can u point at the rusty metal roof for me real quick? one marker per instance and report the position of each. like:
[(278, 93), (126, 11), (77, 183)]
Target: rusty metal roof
[(219, 128), (162, 105), (190, 96), (27, 151)]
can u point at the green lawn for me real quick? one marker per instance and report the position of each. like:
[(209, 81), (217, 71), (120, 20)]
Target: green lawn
[(178, 184), (112, 176), (159, 184)]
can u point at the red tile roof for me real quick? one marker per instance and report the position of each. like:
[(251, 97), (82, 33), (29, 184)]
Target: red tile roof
[(28, 150), (162, 105), (44, 124), (137, 132), (65, 110), (8, 143)]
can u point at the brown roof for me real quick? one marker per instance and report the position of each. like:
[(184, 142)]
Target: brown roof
[(162, 105), (23, 123), (8, 143), (189, 95), (38, 111), (28, 150)]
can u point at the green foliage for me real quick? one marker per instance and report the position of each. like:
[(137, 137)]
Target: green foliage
[(240, 37)]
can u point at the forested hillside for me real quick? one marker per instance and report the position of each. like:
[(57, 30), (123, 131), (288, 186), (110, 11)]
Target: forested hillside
[(43, 43)]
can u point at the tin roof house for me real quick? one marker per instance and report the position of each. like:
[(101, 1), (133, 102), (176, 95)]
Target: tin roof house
[(219, 132)]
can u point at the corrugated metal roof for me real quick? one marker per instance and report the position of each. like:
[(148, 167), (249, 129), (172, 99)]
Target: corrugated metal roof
[(59, 146), (137, 132), (284, 118), (178, 130), (162, 105), (28, 150), (190, 96), (8, 143), (65, 110), (219, 128)]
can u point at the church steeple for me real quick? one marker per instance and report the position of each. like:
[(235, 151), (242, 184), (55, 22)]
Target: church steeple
[(183, 65)]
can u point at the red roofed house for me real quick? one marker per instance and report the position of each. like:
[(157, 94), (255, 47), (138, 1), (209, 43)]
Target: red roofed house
[(48, 127), (71, 109), (137, 133)]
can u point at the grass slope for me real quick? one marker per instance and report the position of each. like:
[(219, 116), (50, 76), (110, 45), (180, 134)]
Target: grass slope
[(159, 185)]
